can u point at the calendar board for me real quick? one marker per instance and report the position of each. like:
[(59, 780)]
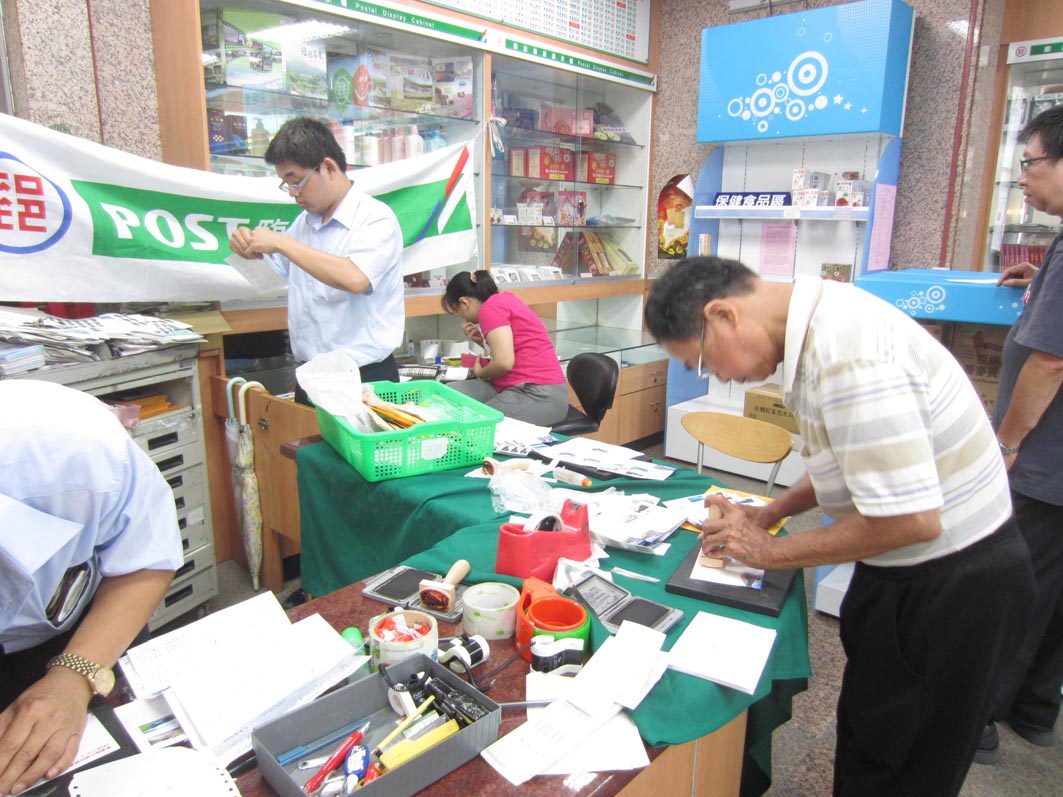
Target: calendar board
[(616, 27)]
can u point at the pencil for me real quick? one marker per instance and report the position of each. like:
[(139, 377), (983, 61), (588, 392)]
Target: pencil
[(404, 724)]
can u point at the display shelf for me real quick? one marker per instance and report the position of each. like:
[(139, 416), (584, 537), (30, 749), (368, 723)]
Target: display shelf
[(791, 212), (573, 147)]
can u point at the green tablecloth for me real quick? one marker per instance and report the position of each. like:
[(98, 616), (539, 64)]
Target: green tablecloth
[(352, 529)]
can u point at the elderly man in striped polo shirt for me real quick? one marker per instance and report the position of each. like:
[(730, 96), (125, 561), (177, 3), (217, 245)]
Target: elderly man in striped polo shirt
[(901, 455)]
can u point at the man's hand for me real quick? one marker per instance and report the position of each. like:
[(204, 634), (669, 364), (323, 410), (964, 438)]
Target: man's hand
[(735, 534), (41, 730), (1017, 276), (252, 243)]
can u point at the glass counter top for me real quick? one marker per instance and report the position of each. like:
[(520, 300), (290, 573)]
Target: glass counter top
[(629, 346)]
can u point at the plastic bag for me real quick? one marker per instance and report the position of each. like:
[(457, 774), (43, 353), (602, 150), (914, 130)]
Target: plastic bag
[(518, 491)]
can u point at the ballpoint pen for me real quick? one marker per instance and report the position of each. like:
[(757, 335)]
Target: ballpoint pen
[(335, 759)]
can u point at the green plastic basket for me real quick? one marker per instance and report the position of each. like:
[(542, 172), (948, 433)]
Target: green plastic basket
[(465, 438)]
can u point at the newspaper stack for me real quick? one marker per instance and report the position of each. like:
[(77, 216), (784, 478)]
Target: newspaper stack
[(64, 340)]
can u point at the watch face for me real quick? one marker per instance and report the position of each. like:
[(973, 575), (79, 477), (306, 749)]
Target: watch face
[(103, 680)]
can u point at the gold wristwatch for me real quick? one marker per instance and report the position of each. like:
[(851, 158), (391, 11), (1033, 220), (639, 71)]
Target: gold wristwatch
[(100, 678)]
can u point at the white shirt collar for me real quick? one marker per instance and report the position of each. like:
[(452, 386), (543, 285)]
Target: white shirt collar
[(802, 304)]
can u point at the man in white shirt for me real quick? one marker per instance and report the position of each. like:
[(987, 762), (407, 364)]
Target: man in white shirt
[(341, 255), (88, 546), (901, 456)]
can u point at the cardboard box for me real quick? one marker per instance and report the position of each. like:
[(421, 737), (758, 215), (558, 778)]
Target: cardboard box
[(517, 165), (812, 198), (550, 163), (596, 167), (852, 193), (979, 349), (806, 178), (365, 698), (765, 404)]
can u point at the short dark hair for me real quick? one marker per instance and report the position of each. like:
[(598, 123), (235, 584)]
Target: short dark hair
[(677, 298), (307, 142), (1048, 126), (480, 285)]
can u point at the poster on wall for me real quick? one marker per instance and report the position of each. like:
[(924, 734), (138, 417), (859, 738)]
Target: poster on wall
[(673, 217), (83, 222)]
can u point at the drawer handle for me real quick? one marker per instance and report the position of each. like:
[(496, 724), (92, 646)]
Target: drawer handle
[(162, 440), (180, 595), (185, 569), (171, 463), (179, 502), (181, 523), (185, 543), (175, 482)]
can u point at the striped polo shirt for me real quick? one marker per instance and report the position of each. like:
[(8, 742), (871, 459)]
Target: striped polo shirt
[(889, 421)]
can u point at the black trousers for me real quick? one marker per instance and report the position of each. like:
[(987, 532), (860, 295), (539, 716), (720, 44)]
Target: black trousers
[(1029, 690), (926, 646), (384, 371)]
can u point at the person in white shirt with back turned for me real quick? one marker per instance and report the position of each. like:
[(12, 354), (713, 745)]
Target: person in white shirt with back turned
[(88, 546)]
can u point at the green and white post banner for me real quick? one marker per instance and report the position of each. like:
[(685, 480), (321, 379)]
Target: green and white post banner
[(83, 222)]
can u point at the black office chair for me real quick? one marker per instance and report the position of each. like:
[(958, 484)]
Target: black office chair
[(593, 378)]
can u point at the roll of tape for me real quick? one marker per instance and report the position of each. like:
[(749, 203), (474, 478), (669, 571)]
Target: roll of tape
[(420, 635), (490, 610)]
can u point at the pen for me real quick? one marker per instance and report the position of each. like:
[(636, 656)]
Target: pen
[(405, 724), (310, 747), (335, 759)]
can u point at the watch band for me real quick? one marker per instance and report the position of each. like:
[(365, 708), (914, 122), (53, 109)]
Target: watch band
[(100, 678), (1007, 450)]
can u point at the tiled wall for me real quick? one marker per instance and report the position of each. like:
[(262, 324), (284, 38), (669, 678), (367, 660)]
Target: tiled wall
[(77, 65), (938, 50)]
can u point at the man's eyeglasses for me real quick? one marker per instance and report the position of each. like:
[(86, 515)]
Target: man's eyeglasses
[(1025, 163), (701, 373), (297, 187)]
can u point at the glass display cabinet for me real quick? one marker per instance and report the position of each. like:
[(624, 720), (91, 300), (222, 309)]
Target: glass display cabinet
[(387, 93), (1018, 232), (568, 174)]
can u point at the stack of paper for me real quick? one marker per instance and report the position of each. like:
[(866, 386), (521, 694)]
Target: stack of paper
[(18, 358), (239, 668), (722, 650), (88, 339)]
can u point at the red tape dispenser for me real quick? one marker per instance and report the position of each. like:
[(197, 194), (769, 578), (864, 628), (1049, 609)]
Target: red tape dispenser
[(525, 552)]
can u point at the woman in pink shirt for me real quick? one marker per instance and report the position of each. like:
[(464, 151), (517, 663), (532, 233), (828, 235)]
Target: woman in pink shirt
[(523, 378)]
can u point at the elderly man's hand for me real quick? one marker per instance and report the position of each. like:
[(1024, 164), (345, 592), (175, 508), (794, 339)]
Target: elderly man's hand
[(40, 732), (734, 533)]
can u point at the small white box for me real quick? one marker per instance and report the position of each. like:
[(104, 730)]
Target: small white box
[(806, 178)]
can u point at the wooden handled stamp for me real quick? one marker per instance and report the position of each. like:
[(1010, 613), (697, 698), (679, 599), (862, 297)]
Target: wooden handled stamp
[(712, 561), (439, 595)]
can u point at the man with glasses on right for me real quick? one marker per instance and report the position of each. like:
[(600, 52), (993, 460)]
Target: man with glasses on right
[(1029, 425), (341, 256)]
